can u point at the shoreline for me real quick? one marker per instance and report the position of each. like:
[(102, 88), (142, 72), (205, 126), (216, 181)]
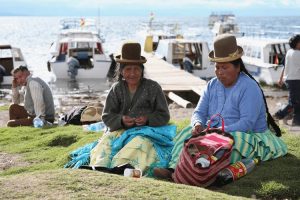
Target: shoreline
[(177, 112), (275, 98)]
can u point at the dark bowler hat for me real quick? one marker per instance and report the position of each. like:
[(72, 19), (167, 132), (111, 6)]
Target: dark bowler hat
[(225, 49), (131, 53)]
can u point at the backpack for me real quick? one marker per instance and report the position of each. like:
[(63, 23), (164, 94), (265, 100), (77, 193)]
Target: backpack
[(203, 156), (73, 116)]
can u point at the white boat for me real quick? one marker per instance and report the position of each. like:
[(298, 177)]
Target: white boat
[(10, 58), (152, 32), (223, 23), (79, 39), (264, 58), (215, 17), (174, 51)]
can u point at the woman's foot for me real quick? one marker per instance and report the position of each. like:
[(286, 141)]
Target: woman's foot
[(163, 173)]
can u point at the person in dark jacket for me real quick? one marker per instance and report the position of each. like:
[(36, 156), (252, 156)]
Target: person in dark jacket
[(132, 102)]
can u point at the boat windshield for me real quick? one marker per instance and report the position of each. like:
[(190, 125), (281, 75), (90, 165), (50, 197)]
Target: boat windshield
[(17, 55), (5, 53)]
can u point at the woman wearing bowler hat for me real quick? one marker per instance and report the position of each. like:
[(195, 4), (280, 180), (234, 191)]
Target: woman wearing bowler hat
[(238, 98), (133, 102)]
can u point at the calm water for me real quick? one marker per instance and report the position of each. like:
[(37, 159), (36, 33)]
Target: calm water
[(35, 34)]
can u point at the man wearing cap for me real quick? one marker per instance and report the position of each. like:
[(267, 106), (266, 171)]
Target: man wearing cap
[(37, 97)]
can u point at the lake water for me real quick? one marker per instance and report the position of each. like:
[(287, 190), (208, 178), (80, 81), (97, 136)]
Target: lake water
[(34, 36)]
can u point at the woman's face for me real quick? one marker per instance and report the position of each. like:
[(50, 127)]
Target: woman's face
[(227, 73), (132, 74)]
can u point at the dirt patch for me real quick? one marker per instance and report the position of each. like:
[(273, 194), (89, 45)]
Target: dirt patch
[(62, 140), (3, 118), (11, 160)]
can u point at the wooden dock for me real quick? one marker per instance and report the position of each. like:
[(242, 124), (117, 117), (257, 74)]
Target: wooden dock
[(170, 78)]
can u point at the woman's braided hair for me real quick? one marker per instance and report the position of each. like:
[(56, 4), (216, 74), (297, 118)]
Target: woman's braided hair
[(270, 119)]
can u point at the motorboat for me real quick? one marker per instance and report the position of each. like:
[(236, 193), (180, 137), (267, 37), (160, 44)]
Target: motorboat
[(174, 51), (10, 58), (223, 23), (264, 57), (78, 52), (215, 17), (153, 31)]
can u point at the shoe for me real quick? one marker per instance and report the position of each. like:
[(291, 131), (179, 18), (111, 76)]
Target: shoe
[(163, 173)]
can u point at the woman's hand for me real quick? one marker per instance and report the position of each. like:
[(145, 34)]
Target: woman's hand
[(141, 121), (128, 121), (197, 129)]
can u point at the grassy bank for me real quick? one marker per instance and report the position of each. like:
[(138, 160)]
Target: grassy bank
[(40, 154), (4, 107)]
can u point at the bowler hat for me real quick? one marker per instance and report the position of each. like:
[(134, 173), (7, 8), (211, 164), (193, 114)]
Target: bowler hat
[(225, 49), (131, 53), (91, 114)]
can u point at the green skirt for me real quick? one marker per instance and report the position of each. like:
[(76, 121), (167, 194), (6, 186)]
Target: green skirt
[(263, 146)]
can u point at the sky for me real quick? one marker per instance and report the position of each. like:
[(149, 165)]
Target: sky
[(144, 7)]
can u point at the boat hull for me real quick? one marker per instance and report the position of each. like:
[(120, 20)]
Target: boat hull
[(205, 74), (99, 71), (7, 80), (268, 75)]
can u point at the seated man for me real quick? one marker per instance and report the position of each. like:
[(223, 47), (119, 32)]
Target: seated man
[(37, 96)]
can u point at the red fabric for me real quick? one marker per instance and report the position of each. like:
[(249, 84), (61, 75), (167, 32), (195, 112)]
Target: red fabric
[(188, 172)]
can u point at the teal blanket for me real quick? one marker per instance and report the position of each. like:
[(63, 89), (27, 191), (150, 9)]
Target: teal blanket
[(161, 137)]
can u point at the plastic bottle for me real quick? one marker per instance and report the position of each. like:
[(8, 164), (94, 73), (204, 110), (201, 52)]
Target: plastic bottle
[(135, 173), (202, 162), (235, 171), (97, 127), (38, 122)]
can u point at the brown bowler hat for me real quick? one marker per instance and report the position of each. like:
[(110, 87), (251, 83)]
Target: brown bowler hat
[(131, 53), (225, 49)]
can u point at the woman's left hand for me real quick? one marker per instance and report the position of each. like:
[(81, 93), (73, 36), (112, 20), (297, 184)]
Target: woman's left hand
[(140, 121)]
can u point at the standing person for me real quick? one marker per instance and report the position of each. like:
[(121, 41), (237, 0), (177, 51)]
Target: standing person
[(2, 73), (291, 76), (238, 98), (37, 97), (188, 62), (136, 112)]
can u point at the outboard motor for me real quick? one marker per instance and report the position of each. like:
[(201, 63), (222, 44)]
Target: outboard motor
[(112, 67), (73, 66)]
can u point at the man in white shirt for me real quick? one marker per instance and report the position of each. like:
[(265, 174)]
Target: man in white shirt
[(37, 98), (291, 76)]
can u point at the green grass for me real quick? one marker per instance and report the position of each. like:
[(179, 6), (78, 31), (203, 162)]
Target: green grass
[(4, 108), (45, 151)]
